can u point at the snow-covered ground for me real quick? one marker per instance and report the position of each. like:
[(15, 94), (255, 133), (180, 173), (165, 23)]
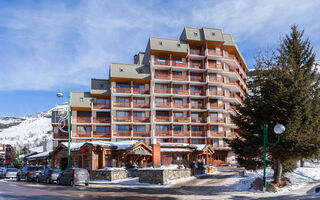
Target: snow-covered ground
[(29, 131)]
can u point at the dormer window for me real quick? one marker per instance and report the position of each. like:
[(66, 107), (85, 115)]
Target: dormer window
[(160, 43), (81, 99), (213, 34), (101, 85), (121, 69), (195, 33), (178, 45)]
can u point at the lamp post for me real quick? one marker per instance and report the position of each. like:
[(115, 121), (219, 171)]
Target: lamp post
[(278, 129), (60, 95)]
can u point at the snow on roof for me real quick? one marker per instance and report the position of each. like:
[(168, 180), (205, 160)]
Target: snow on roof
[(73, 145), (200, 147), (175, 150), (29, 154), (38, 149), (40, 155), (122, 145), (177, 145)]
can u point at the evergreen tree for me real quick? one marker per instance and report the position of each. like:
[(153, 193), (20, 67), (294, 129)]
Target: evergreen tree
[(285, 90), (14, 155)]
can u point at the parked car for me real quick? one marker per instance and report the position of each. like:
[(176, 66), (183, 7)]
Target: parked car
[(1, 171), (74, 176), (9, 173), (29, 173), (48, 175)]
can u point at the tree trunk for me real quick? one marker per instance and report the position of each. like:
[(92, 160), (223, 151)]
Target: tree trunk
[(275, 168), (301, 162), (278, 173)]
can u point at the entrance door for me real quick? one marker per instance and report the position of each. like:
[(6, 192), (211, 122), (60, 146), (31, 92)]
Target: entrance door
[(64, 163)]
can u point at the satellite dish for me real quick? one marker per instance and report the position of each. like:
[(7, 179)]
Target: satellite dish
[(59, 95)]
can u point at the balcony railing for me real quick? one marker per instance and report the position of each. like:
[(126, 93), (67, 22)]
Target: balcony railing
[(198, 119), (181, 133), (163, 133), (162, 76), (216, 93), (122, 90), (60, 135), (196, 78), (180, 91), (214, 66), (234, 95), (102, 120), (216, 79), (122, 118), (101, 106), (216, 106), (181, 119), (121, 104), (163, 104), (196, 65), (140, 91), (141, 134), (196, 92), (179, 77), (197, 106), (161, 61), (162, 90), (196, 52), (232, 135), (214, 52), (180, 105), (141, 119), (217, 134), (215, 120), (122, 133), (140, 105), (84, 119), (101, 134), (163, 118), (198, 133), (179, 63), (81, 134)]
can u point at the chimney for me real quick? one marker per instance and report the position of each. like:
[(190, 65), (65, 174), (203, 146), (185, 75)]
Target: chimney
[(156, 154)]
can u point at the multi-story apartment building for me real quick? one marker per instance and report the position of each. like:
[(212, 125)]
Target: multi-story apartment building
[(179, 91)]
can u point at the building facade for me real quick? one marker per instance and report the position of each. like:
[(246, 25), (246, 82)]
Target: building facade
[(177, 91)]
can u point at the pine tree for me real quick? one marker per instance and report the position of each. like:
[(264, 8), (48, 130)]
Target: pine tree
[(285, 90), (14, 156)]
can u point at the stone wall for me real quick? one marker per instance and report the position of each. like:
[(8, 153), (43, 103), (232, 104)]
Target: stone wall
[(109, 174), (162, 176)]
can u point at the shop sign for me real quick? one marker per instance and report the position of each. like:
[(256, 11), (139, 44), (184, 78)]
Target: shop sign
[(140, 152)]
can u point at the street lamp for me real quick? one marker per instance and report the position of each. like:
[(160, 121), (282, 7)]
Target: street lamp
[(278, 129), (60, 95)]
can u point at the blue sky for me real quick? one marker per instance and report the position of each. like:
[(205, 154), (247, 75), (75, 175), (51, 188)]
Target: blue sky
[(49, 45)]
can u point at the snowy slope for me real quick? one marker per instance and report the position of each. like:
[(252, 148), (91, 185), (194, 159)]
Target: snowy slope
[(29, 131)]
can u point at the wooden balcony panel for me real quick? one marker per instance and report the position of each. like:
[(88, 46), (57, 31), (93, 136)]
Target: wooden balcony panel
[(216, 80), (180, 91), (122, 118), (101, 106), (122, 134), (121, 104), (101, 134), (197, 106), (163, 133), (216, 93), (196, 66), (232, 135), (216, 106), (198, 52), (180, 105), (159, 61), (196, 92), (198, 133), (141, 119), (102, 120), (214, 120), (122, 90), (217, 134), (181, 133), (162, 90), (141, 105), (179, 78), (214, 52), (81, 134), (179, 63), (162, 76), (163, 104), (181, 119), (163, 118), (84, 119), (214, 66), (198, 119), (141, 91), (141, 134), (196, 78)]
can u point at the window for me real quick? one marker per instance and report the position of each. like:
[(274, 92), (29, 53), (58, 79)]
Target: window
[(123, 128), (123, 114), (161, 100), (139, 128), (213, 88), (178, 114), (162, 128), (101, 101), (214, 116), (195, 102), (81, 99), (160, 43), (195, 115), (178, 87), (197, 141), (123, 85), (178, 45), (161, 86), (214, 128), (195, 33), (138, 86), (213, 76), (103, 114), (120, 99), (177, 100), (84, 129), (196, 128), (101, 85), (121, 69), (138, 114), (177, 128), (213, 34), (195, 88), (138, 100), (101, 129), (162, 113)]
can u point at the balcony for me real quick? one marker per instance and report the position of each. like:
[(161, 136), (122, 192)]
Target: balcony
[(180, 105), (216, 79), (198, 133), (215, 120), (141, 134), (197, 52), (163, 133), (234, 95), (163, 118), (101, 134), (196, 65), (216, 106), (196, 78), (83, 119), (161, 61), (179, 77), (232, 135), (213, 65), (181, 133), (162, 76), (180, 91), (197, 106), (140, 91), (102, 120), (216, 93), (196, 92), (122, 90), (181, 119), (121, 104), (214, 52), (198, 119), (81, 134), (122, 134), (235, 83), (162, 90), (101, 106), (122, 118), (163, 104), (178, 63), (224, 145), (141, 105), (141, 119), (60, 135), (217, 134)]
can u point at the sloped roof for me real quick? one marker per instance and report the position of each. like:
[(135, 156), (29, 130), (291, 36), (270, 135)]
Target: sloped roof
[(40, 155), (163, 44), (132, 71), (80, 99), (100, 86)]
